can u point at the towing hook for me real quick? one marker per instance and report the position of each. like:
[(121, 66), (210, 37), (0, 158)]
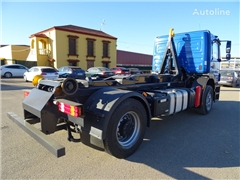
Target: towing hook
[(70, 136), (171, 33)]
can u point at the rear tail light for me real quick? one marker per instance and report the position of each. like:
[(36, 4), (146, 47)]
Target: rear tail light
[(104, 73), (56, 73), (75, 111), (231, 78)]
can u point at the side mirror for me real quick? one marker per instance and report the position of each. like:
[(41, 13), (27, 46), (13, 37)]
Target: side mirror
[(228, 50), (228, 56), (228, 47)]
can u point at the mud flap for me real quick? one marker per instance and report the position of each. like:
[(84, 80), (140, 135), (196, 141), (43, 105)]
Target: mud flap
[(38, 104)]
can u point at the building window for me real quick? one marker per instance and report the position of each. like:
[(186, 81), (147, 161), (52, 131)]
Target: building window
[(106, 49), (90, 64), (105, 64), (72, 45), (73, 62), (90, 48), (42, 47)]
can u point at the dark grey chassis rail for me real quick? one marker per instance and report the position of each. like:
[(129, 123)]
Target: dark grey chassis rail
[(50, 144)]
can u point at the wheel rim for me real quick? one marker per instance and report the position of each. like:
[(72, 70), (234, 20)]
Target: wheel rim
[(128, 129), (209, 101), (7, 75)]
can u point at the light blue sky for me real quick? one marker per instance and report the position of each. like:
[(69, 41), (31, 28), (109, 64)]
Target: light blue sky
[(135, 24)]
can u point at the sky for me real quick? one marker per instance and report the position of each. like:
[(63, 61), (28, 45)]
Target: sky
[(135, 24)]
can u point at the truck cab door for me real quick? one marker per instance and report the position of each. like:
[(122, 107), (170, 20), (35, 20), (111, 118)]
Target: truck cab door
[(216, 54)]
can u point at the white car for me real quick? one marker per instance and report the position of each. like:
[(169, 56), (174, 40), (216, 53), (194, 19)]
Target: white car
[(13, 70), (47, 72)]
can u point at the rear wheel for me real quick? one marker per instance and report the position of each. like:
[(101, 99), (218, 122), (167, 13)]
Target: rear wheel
[(206, 101), (126, 129), (8, 75)]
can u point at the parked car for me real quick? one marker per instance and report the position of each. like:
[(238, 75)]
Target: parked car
[(49, 73), (135, 71), (72, 72), (13, 70), (121, 71), (229, 78), (101, 72)]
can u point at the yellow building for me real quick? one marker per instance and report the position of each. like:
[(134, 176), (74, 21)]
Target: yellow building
[(73, 45), (9, 54)]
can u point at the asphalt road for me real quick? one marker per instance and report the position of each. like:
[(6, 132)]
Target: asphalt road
[(184, 146)]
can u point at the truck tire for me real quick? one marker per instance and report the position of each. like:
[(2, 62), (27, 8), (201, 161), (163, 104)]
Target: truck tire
[(206, 101), (126, 129)]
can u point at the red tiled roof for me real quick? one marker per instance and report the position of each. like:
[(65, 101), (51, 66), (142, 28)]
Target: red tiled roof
[(132, 58), (77, 29), (39, 35)]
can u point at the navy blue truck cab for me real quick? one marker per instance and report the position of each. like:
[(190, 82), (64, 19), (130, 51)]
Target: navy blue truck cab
[(195, 51)]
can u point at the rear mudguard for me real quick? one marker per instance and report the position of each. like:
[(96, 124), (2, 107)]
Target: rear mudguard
[(99, 108), (38, 106)]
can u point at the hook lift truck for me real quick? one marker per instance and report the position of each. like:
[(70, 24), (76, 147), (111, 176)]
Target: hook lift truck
[(113, 113)]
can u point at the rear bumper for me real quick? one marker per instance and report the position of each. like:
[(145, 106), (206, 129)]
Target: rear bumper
[(51, 145)]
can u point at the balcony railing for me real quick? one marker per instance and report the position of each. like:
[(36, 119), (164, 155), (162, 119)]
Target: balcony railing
[(43, 51)]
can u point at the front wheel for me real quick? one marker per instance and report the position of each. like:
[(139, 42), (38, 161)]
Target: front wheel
[(126, 129), (206, 100)]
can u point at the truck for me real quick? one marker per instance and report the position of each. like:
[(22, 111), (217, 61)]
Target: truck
[(113, 113)]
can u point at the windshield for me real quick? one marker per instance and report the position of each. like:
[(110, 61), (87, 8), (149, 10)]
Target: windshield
[(48, 70), (104, 69), (76, 69)]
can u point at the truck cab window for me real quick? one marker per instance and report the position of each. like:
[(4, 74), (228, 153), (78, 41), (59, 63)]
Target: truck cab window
[(216, 51)]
